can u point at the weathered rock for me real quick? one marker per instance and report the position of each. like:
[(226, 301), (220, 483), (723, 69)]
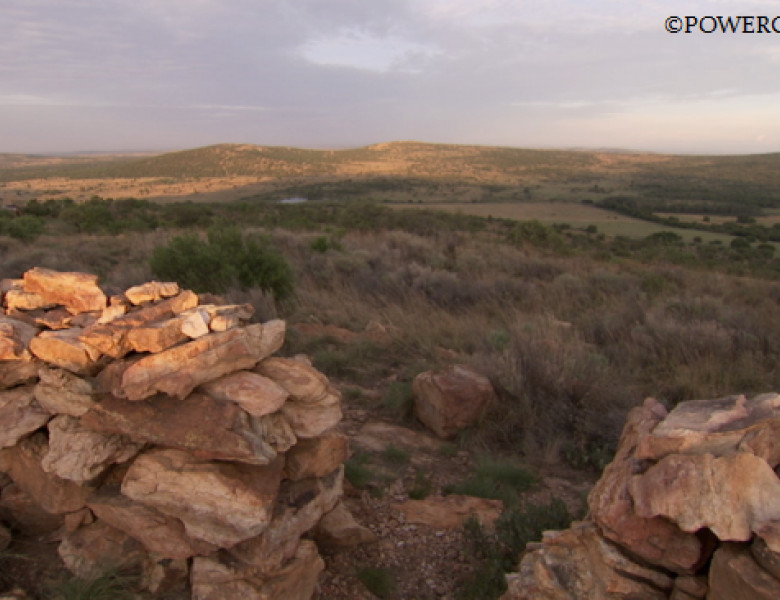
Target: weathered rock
[(5, 538), (656, 540), (17, 299), (316, 457), (447, 401), (151, 291), (157, 336), (297, 580), (161, 576), (207, 428), (762, 441), (226, 316), (734, 575), (160, 534), (64, 349), (26, 515), (275, 429), (54, 494), (299, 507), (57, 318), (710, 426), (449, 512), (15, 337), (689, 588), (304, 383), (15, 372), (579, 563), (94, 549), (308, 419), (768, 559), (80, 454), (195, 323), (61, 392), (219, 503), (20, 414), (256, 394), (731, 495), (181, 369), (377, 436), (339, 528), (78, 292)]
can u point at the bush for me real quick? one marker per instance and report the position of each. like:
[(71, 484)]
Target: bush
[(227, 258), (25, 228)]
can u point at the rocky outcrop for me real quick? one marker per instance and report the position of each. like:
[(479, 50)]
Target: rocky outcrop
[(688, 509), (152, 431)]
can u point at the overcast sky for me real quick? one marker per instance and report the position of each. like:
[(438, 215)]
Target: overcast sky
[(169, 74)]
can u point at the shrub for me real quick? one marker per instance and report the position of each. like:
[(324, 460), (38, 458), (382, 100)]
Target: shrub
[(378, 581), (496, 479), (25, 228)]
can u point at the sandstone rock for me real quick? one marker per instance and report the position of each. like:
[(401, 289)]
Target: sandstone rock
[(579, 563), (447, 401), (689, 588), (304, 383), (732, 495), (195, 323), (161, 576), (309, 420), (97, 548), (207, 428), (61, 392), (762, 441), (15, 337), (20, 414), (26, 515), (299, 507), (54, 494), (219, 503), (765, 556), (157, 336), (64, 349), (160, 534), (5, 538), (449, 512), (734, 575), (297, 580), (256, 394), (226, 316), (377, 436), (340, 529), (57, 318), (151, 291), (275, 429), (181, 369), (78, 292), (15, 372), (111, 312), (16, 300), (656, 540), (710, 426), (316, 457), (80, 454)]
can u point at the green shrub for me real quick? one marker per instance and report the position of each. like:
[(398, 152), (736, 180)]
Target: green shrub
[(109, 586), (356, 470), (495, 479), (378, 581), (25, 228)]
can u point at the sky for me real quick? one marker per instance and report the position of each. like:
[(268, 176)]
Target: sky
[(111, 75)]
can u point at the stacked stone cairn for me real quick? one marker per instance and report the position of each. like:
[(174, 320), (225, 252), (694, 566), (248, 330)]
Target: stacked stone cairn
[(150, 430), (688, 509)]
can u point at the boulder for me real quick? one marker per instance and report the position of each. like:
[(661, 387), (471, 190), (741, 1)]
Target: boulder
[(256, 394), (151, 291), (734, 575), (15, 372), (689, 588), (309, 419), (297, 580), (65, 349), (655, 539), (275, 429), (61, 392), (54, 494), (299, 507), (95, 549), (160, 534), (25, 515), (78, 292), (15, 337), (732, 495), (226, 316), (17, 299), (449, 512), (766, 557), (446, 401), (80, 454), (579, 563), (220, 503), (20, 414), (303, 382), (181, 369), (339, 528), (163, 576), (156, 336), (207, 428), (316, 457)]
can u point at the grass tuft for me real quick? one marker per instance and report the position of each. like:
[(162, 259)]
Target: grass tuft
[(379, 581)]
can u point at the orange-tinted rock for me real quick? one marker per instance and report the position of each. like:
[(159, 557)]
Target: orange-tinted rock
[(64, 349), (58, 318), (181, 369), (61, 392), (160, 534), (655, 539), (304, 383), (339, 528), (54, 494), (20, 414), (95, 549), (78, 292), (276, 430), (208, 428), (256, 394), (80, 454), (15, 372), (299, 507), (26, 515), (17, 299), (157, 336), (449, 512), (316, 457), (732, 495), (447, 401), (15, 337), (734, 575), (311, 419), (220, 503), (226, 316), (151, 291)]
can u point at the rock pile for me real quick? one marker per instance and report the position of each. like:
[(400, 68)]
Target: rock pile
[(155, 430), (688, 509)]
